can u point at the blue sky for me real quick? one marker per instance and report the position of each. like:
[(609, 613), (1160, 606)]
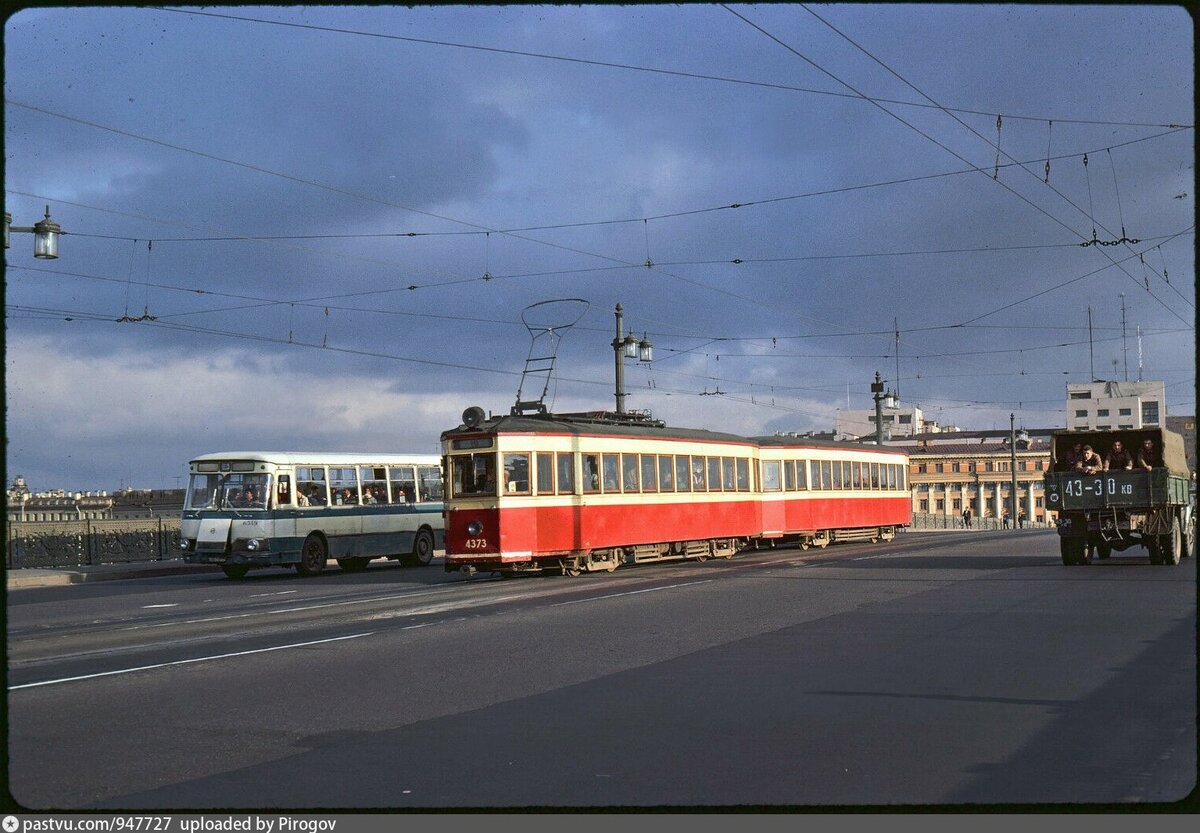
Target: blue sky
[(327, 231)]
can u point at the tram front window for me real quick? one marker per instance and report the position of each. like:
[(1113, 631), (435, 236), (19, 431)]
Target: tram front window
[(474, 474)]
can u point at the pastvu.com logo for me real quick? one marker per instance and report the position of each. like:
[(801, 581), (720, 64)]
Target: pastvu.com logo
[(11, 824)]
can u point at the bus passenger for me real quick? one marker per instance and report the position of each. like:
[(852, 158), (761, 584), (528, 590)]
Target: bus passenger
[(1118, 458), (301, 498)]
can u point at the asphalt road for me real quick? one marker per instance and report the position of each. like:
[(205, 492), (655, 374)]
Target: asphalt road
[(940, 669)]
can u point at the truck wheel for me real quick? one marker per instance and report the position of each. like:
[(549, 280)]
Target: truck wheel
[(1064, 549), (235, 571), (1074, 551), (1154, 550), (1103, 550), (1171, 544)]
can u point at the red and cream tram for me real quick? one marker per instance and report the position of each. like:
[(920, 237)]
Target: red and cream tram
[(584, 492)]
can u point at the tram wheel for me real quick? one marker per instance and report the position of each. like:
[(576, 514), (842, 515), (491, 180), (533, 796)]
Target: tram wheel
[(235, 571), (313, 556), (570, 567)]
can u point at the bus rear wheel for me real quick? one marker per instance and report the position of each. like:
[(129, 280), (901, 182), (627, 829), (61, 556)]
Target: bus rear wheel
[(313, 556), (235, 570), (422, 551)]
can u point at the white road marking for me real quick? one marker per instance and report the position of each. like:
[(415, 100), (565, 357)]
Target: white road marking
[(147, 607), (186, 661), (280, 593), (632, 593)]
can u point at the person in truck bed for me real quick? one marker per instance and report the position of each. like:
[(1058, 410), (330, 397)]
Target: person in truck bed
[(1118, 458), (1148, 455), (1090, 462)]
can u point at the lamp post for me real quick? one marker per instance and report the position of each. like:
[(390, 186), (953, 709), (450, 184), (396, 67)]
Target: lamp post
[(627, 347), (45, 235), (1012, 443)]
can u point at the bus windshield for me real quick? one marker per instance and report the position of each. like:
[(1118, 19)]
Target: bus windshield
[(228, 491)]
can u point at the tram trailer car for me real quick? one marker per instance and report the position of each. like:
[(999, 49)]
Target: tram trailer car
[(574, 493), (1121, 509)]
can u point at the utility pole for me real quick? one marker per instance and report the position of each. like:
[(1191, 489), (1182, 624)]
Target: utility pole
[(1012, 444), (877, 393)]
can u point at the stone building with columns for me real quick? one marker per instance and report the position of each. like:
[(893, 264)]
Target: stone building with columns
[(950, 471)]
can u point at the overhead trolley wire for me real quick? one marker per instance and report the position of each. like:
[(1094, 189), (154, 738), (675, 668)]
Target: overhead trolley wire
[(635, 68)]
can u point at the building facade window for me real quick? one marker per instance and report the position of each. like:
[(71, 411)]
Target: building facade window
[(1150, 413)]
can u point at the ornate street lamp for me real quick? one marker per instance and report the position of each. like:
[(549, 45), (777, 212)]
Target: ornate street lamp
[(45, 235), (628, 347)]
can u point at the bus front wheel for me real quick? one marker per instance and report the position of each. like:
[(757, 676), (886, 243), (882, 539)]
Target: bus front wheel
[(422, 551), (312, 556), (235, 570)]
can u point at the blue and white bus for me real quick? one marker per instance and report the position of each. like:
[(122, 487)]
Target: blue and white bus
[(247, 509)]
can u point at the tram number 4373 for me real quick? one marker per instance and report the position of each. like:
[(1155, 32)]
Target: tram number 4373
[(1099, 486), (476, 544)]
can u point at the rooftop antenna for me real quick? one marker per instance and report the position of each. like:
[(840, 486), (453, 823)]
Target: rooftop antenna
[(1091, 351), (1139, 336), (896, 324), (1124, 345), (547, 322)]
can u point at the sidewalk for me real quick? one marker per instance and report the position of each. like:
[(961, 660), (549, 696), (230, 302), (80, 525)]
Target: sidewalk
[(26, 577)]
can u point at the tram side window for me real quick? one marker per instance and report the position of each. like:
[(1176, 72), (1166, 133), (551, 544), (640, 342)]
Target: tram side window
[(649, 473), (566, 473), (612, 472), (629, 472), (874, 475), (802, 474), (789, 476), (727, 473), (714, 474), (891, 477), (311, 486), (474, 474), (683, 482), (666, 473), (741, 469), (516, 474), (770, 475), (845, 475), (591, 472), (431, 483), (404, 485), (698, 481), (837, 475), (545, 472)]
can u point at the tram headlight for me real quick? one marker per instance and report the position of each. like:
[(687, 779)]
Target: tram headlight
[(474, 528)]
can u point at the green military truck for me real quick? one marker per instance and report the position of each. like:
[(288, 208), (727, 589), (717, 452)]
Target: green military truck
[(1115, 510)]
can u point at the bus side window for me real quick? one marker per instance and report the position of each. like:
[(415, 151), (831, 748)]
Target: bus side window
[(284, 495)]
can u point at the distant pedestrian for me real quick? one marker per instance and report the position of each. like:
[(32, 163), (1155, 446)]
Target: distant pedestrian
[(966, 513), (1021, 520), (1007, 521)]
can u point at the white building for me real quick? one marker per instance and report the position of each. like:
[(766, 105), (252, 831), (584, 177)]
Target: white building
[(897, 422), (1106, 406)]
